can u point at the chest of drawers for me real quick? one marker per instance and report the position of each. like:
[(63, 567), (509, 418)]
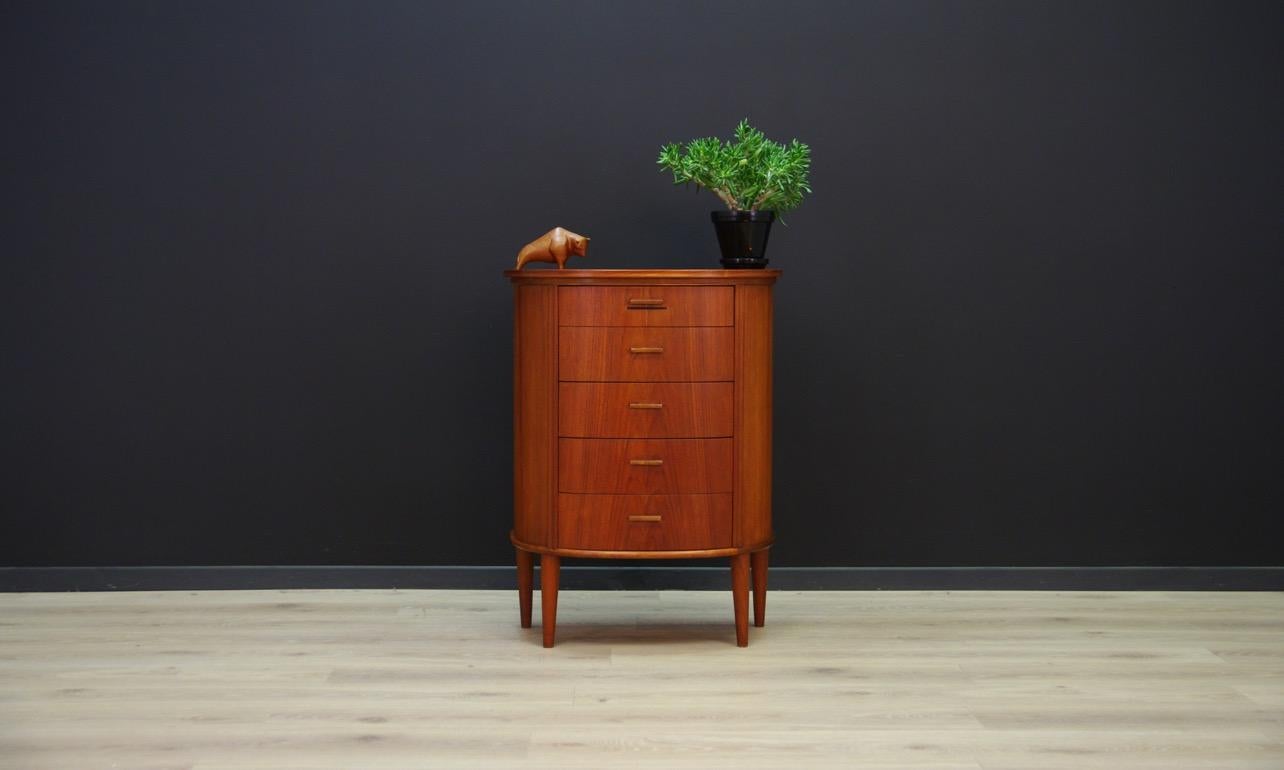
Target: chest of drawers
[(642, 424)]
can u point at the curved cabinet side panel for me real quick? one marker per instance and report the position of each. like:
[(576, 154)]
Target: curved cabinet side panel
[(534, 412), (753, 415)]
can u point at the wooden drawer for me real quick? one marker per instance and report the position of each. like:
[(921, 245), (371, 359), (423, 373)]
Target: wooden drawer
[(645, 305), (658, 354), (645, 409), (644, 522), (644, 466)]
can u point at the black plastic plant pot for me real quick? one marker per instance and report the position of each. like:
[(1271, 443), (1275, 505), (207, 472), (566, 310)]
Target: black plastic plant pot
[(742, 236)]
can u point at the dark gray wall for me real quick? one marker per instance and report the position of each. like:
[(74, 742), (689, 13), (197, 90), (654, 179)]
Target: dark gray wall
[(252, 310)]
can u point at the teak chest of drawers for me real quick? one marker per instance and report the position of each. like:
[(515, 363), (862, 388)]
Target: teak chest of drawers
[(642, 424)]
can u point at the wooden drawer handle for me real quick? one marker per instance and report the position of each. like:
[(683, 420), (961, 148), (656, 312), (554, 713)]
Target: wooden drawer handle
[(646, 350), (644, 405), (646, 462), (644, 518), (645, 302)]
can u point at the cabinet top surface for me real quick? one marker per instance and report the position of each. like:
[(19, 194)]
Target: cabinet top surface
[(552, 276)]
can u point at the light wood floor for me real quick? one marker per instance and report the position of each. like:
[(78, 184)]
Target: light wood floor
[(441, 679)]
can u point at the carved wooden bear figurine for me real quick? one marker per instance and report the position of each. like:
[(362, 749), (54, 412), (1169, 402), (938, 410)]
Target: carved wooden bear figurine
[(556, 245)]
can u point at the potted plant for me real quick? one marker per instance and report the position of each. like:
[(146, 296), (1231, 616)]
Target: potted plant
[(757, 179)]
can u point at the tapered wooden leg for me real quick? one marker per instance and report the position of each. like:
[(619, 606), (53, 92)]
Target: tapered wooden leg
[(758, 560), (525, 579), (550, 568), (740, 597)]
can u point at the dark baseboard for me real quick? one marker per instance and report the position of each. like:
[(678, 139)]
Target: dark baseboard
[(16, 579)]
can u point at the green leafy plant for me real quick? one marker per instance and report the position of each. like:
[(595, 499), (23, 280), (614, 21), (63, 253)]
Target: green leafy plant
[(749, 174)]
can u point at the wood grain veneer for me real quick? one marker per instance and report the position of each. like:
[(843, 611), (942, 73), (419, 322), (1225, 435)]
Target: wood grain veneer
[(646, 409), (646, 305), (644, 466), (642, 423), (753, 415), (534, 412), (647, 354), (644, 522), (635, 276)]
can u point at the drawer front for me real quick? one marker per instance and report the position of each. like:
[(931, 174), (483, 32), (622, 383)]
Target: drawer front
[(645, 305), (644, 522), (645, 409), (656, 354), (644, 466)]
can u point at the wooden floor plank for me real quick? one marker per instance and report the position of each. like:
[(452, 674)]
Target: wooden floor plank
[(229, 680)]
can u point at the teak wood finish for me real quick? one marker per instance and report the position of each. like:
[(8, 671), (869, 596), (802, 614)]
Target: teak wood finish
[(646, 305), (646, 354), (645, 466), (645, 522), (646, 409), (642, 424)]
